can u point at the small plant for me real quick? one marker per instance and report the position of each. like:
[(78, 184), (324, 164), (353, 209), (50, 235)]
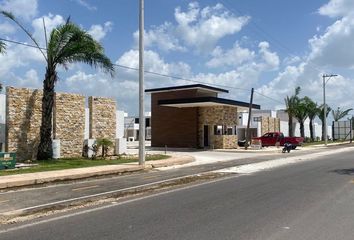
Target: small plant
[(104, 144)]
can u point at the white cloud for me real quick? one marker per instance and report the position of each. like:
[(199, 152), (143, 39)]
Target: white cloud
[(25, 9), (98, 32), (7, 28), (271, 59), (336, 46), (337, 8), (203, 28), (232, 57), (162, 37), (86, 5), (51, 21)]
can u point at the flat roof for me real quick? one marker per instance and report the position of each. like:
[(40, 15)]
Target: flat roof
[(205, 102), (187, 87)]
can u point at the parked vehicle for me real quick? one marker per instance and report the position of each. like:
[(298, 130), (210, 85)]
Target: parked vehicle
[(271, 138)]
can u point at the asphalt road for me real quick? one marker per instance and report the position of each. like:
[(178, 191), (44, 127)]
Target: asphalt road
[(44, 196), (310, 200)]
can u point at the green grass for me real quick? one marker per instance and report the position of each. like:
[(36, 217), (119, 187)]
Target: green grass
[(69, 163)]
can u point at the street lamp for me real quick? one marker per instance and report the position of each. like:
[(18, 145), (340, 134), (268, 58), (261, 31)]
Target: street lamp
[(141, 86), (324, 76)]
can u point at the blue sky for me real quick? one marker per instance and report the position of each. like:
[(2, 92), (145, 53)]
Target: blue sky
[(272, 45)]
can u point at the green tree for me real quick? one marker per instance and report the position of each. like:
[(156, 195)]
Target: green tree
[(321, 114), (312, 112), (339, 113), (291, 103), (67, 43), (301, 113), (104, 144), (2, 47)]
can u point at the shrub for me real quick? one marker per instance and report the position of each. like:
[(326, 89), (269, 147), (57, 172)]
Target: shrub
[(104, 143)]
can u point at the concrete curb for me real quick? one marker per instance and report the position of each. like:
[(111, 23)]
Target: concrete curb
[(28, 179)]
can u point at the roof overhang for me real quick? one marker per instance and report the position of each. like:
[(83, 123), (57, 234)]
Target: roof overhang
[(205, 102), (200, 87)]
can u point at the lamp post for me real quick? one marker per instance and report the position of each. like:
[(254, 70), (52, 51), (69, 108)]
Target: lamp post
[(324, 76), (141, 86)]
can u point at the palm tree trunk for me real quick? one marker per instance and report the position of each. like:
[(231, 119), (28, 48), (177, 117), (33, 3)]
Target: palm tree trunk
[(302, 129), (311, 130), (290, 126), (45, 150), (323, 130)]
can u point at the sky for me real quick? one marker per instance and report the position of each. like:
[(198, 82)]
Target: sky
[(272, 46)]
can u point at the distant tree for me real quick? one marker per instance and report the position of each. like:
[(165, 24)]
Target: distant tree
[(312, 112), (2, 47), (339, 113), (300, 113), (291, 103), (67, 43), (321, 115)]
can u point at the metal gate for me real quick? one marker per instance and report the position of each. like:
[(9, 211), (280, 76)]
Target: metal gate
[(342, 130)]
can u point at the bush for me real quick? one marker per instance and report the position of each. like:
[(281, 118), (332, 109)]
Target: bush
[(104, 143)]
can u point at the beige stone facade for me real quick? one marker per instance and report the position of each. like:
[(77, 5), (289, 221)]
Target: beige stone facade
[(69, 123), (103, 119), (224, 141), (269, 124), (23, 119), (217, 116)]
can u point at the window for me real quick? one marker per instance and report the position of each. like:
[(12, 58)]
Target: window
[(257, 119), (224, 130)]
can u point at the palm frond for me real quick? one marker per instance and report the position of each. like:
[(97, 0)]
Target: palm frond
[(10, 16), (68, 44), (339, 113), (2, 47)]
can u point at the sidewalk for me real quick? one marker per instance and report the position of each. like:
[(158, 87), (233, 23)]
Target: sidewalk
[(27, 179)]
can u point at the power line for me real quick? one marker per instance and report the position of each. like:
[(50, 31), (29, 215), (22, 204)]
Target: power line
[(21, 43), (151, 72)]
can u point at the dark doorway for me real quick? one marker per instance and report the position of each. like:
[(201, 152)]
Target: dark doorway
[(206, 136)]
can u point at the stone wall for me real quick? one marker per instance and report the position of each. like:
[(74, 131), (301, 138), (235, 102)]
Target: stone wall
[(269, 124), (224, 141), (220, 115), (69, 123), (23, 120), (103, 119)]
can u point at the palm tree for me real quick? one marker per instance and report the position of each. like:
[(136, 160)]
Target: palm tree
[(312, 111), (67, 43), (2, 47), (300, 113), (291, 103), (339, 113), (321, 114)]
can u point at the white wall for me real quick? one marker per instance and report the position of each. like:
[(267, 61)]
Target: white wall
[(87, 122), (119, 124)]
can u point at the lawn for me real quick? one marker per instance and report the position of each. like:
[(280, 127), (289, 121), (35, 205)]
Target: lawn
[(68, 163)]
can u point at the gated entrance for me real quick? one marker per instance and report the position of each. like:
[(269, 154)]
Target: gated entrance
[(343, 130)]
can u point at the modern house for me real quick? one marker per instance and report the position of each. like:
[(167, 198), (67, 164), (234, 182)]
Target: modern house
[(193, 116)]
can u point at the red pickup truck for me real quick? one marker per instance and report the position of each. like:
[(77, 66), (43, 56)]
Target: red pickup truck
[(270, 139)]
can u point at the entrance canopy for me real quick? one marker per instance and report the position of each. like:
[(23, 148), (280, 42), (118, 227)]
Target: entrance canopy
[(205, 102)]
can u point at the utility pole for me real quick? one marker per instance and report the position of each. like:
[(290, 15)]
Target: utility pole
[(141, 86), (324, 76), (248, 135)]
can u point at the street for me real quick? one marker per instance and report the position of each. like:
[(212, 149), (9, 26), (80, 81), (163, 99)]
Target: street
[(308, 200)]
